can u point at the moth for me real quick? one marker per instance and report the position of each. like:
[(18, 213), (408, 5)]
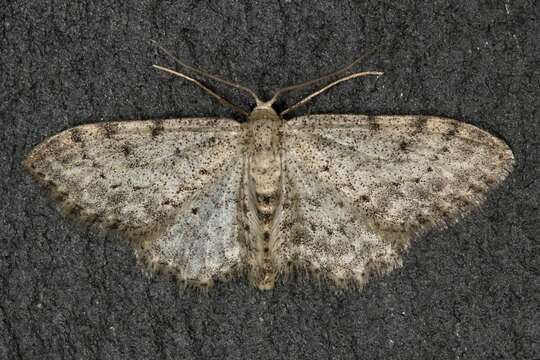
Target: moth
[(340, 196)]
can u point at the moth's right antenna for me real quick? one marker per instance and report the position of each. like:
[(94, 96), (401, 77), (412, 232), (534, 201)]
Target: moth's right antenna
[(324, 77), (205, 73), (320, 91)]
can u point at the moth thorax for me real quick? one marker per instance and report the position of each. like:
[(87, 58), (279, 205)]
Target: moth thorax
[(266, 178), (265, 160)]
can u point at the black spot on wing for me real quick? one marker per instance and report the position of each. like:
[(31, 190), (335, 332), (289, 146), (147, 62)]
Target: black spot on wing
[(420, 124), (126, 150), (452, 131), (365, 198), (373, 124), (157, 128), (75, 135), (404, 146), (109, 130)]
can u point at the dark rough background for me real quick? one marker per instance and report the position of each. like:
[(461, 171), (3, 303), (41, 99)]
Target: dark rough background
[(467, 292)]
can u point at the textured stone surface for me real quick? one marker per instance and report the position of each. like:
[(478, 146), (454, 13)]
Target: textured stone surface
[(470, 291)]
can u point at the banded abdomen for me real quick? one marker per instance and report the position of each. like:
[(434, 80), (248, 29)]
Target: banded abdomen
[(264, 193)]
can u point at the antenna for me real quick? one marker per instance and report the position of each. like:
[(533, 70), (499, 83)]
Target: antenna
[(206, 73), (221, 99), (235, 108), (324, 77), (318, 92)]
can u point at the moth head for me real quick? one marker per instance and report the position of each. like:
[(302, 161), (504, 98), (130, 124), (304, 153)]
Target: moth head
[(264, 110)]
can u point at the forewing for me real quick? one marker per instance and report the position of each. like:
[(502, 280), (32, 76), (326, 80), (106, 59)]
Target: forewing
[(404, 174), (145, 178)]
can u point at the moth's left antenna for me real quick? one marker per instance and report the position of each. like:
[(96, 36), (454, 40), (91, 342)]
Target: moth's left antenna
[(222, 100), (205, 73)]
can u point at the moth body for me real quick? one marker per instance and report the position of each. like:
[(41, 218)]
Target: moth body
[(264, 184)]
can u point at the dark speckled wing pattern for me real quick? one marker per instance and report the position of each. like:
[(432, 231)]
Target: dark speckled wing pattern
[(171, 186), (357, 188)]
